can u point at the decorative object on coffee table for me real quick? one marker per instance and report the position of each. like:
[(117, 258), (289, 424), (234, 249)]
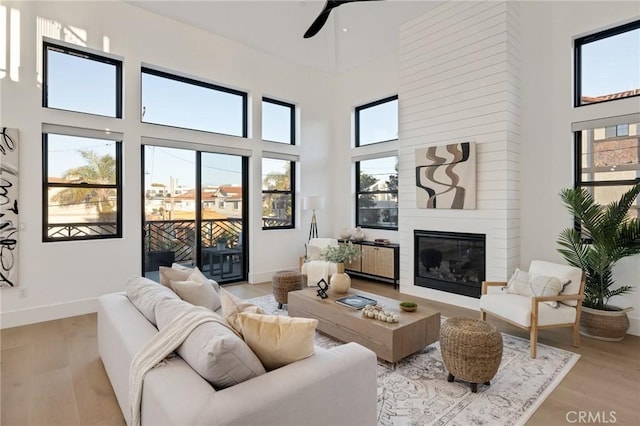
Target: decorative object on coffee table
[(322, 289), (471, 350), (341, 254), (283, 282), (408, 306)]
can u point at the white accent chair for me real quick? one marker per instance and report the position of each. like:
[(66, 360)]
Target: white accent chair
[(314, 267), (531, 313)]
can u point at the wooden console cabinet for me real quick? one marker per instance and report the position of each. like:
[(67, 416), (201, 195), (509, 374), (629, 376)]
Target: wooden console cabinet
[(378, 261)]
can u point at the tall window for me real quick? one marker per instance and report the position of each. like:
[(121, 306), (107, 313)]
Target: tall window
[(278, 193), (80, 81), (278, 121), (82, 188), (607, 65), (608, 161), (377, 193), (377, 121), (176, 101)]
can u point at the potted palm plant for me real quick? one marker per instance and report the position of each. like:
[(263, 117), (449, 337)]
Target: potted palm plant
[(607, 234), (343, 253)]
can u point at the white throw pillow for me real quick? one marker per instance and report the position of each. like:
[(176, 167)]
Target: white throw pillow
[(530, 285), (168, 274), (212, 349), (145, 294), (197, 293), (278, 340)]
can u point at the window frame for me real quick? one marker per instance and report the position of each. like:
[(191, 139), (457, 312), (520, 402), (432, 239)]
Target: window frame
[(46, 185), (46, 45), (291, 192), (359, 109), (577, 59), (292, 118), (203, 84), (359, 192)]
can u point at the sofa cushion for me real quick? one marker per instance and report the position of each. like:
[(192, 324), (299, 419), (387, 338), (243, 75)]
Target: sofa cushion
[(278, 340), (212, 349), (197, 293), (232, 306), (168, 274), (145, 294)]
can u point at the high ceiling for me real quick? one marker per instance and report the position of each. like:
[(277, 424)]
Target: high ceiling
[(276, 27)]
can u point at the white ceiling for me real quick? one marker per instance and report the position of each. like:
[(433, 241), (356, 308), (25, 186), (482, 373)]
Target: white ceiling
[(276, 27)]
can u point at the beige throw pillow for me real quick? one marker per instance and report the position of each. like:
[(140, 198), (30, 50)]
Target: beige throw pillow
[(197, 293), (530, 285), (212, 349), (232, 307), (276, 340), (168, 274)]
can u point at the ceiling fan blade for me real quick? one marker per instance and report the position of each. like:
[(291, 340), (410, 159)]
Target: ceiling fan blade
[(324, 15), (318, 23)]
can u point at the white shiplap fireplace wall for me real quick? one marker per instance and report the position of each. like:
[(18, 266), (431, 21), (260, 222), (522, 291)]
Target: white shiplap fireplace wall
[(459, 81)]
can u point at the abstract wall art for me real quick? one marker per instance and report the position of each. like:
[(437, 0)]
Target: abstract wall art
[(446, 176), (9, 207)]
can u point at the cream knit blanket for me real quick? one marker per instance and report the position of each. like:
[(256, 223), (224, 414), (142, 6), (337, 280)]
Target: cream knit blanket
[(157, 348)]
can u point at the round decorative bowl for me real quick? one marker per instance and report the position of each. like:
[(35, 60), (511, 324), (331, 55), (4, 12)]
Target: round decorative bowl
[(408, 306)]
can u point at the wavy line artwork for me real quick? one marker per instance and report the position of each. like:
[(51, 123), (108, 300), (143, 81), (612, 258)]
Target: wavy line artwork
[(9, 207), (446, 176)]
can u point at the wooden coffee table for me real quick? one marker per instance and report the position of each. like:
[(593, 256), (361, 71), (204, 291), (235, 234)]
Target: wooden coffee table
[(390, 341)]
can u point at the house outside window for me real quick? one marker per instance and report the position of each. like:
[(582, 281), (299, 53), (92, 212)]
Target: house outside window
[(608, 163), (607, 65), (376, 122), (81, 81), (377, 193), (82, 187), (172, 100), (278, 193), (278, 121)]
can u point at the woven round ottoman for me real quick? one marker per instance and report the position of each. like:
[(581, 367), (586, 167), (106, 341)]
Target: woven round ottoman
[(471, 350), (283, 282)]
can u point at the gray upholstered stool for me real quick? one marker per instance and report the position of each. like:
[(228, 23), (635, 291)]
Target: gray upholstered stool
[(471, 350), (283, 282)]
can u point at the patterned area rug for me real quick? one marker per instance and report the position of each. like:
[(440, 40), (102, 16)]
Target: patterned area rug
[(415, 390)]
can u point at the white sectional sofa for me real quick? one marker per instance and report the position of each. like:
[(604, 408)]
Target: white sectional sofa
[(333, 387)]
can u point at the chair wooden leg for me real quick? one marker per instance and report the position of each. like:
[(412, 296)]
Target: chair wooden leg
[(483, 315), (576, 335), (533, 339)]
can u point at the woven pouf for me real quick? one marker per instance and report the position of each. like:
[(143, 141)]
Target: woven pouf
[(471, 350), (283, 282)]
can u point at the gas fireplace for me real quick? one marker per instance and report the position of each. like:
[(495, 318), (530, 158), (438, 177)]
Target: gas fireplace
[(450, 261)]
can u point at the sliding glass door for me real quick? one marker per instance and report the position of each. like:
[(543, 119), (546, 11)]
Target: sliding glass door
[(194, 212)]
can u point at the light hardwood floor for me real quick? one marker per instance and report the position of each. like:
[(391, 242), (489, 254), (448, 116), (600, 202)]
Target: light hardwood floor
[(52, 374)]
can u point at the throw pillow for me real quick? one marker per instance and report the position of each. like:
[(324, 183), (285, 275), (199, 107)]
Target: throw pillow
[(196, 275), (232, 307), (145, 294), (530, 285), (197, 293), (212, 349), (278, 340), (168, 274)]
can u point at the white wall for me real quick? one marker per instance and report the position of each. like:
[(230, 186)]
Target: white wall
[(63, 279), (547, 114)]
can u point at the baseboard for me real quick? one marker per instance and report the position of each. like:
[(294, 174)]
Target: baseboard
[(47, 313), (634, 325), (263, 277)]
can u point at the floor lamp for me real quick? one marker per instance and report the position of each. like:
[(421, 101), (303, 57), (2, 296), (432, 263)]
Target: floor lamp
[(313, 202)]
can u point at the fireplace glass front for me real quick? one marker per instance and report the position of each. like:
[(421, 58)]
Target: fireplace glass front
[(450, 261)]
